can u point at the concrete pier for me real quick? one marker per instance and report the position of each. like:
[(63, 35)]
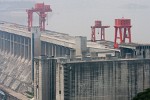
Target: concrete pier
[(44, 78)]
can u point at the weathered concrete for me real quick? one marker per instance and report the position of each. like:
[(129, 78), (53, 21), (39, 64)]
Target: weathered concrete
[(15, 72), (116, 79), (106, 80), (12, 95), (44, 78), (91, 80)]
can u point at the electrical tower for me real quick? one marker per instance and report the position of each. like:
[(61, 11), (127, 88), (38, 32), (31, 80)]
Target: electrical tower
[(124, 27), (40, 9), (98, 25)]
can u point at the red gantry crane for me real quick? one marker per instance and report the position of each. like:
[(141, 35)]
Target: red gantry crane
[(40, 9), (124, 27), (98, 24)]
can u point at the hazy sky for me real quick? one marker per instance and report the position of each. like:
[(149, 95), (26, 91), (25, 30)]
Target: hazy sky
[(76, 16)]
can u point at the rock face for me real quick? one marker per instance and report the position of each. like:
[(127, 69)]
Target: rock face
[(15, 72)]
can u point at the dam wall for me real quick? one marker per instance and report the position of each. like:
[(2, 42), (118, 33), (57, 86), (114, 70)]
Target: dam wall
[(15, 72), (15, 62), (106, 80), (119, 79), (16, 67)]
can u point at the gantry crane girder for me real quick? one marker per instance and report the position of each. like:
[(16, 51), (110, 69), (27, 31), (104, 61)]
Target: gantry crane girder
[(98, 25), (124, 27), (40, 9)]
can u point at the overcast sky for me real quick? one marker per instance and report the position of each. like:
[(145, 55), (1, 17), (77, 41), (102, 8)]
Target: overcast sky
[(76, 16)]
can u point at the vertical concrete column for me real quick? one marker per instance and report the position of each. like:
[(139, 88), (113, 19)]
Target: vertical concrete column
[(24, 47), (13, 45), (3, 42), (81, 45), (44, 78), (16, 48), (0, 40), (52, 48), (63, 51), (32, 57), (36, 79), (10, 43), (45, 46), (72, 53), (37, 41), (6, 44), (55, 50), (20, 47), (35, 46), (68, 51), (29, 48), (147, 52), (59, 80), (48, 51), (60, 51)]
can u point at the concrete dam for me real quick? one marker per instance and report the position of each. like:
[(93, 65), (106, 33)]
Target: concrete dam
[(15, 63), (107, 80), (91, 80), (15, 72), (18, 47), (70, 67)]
